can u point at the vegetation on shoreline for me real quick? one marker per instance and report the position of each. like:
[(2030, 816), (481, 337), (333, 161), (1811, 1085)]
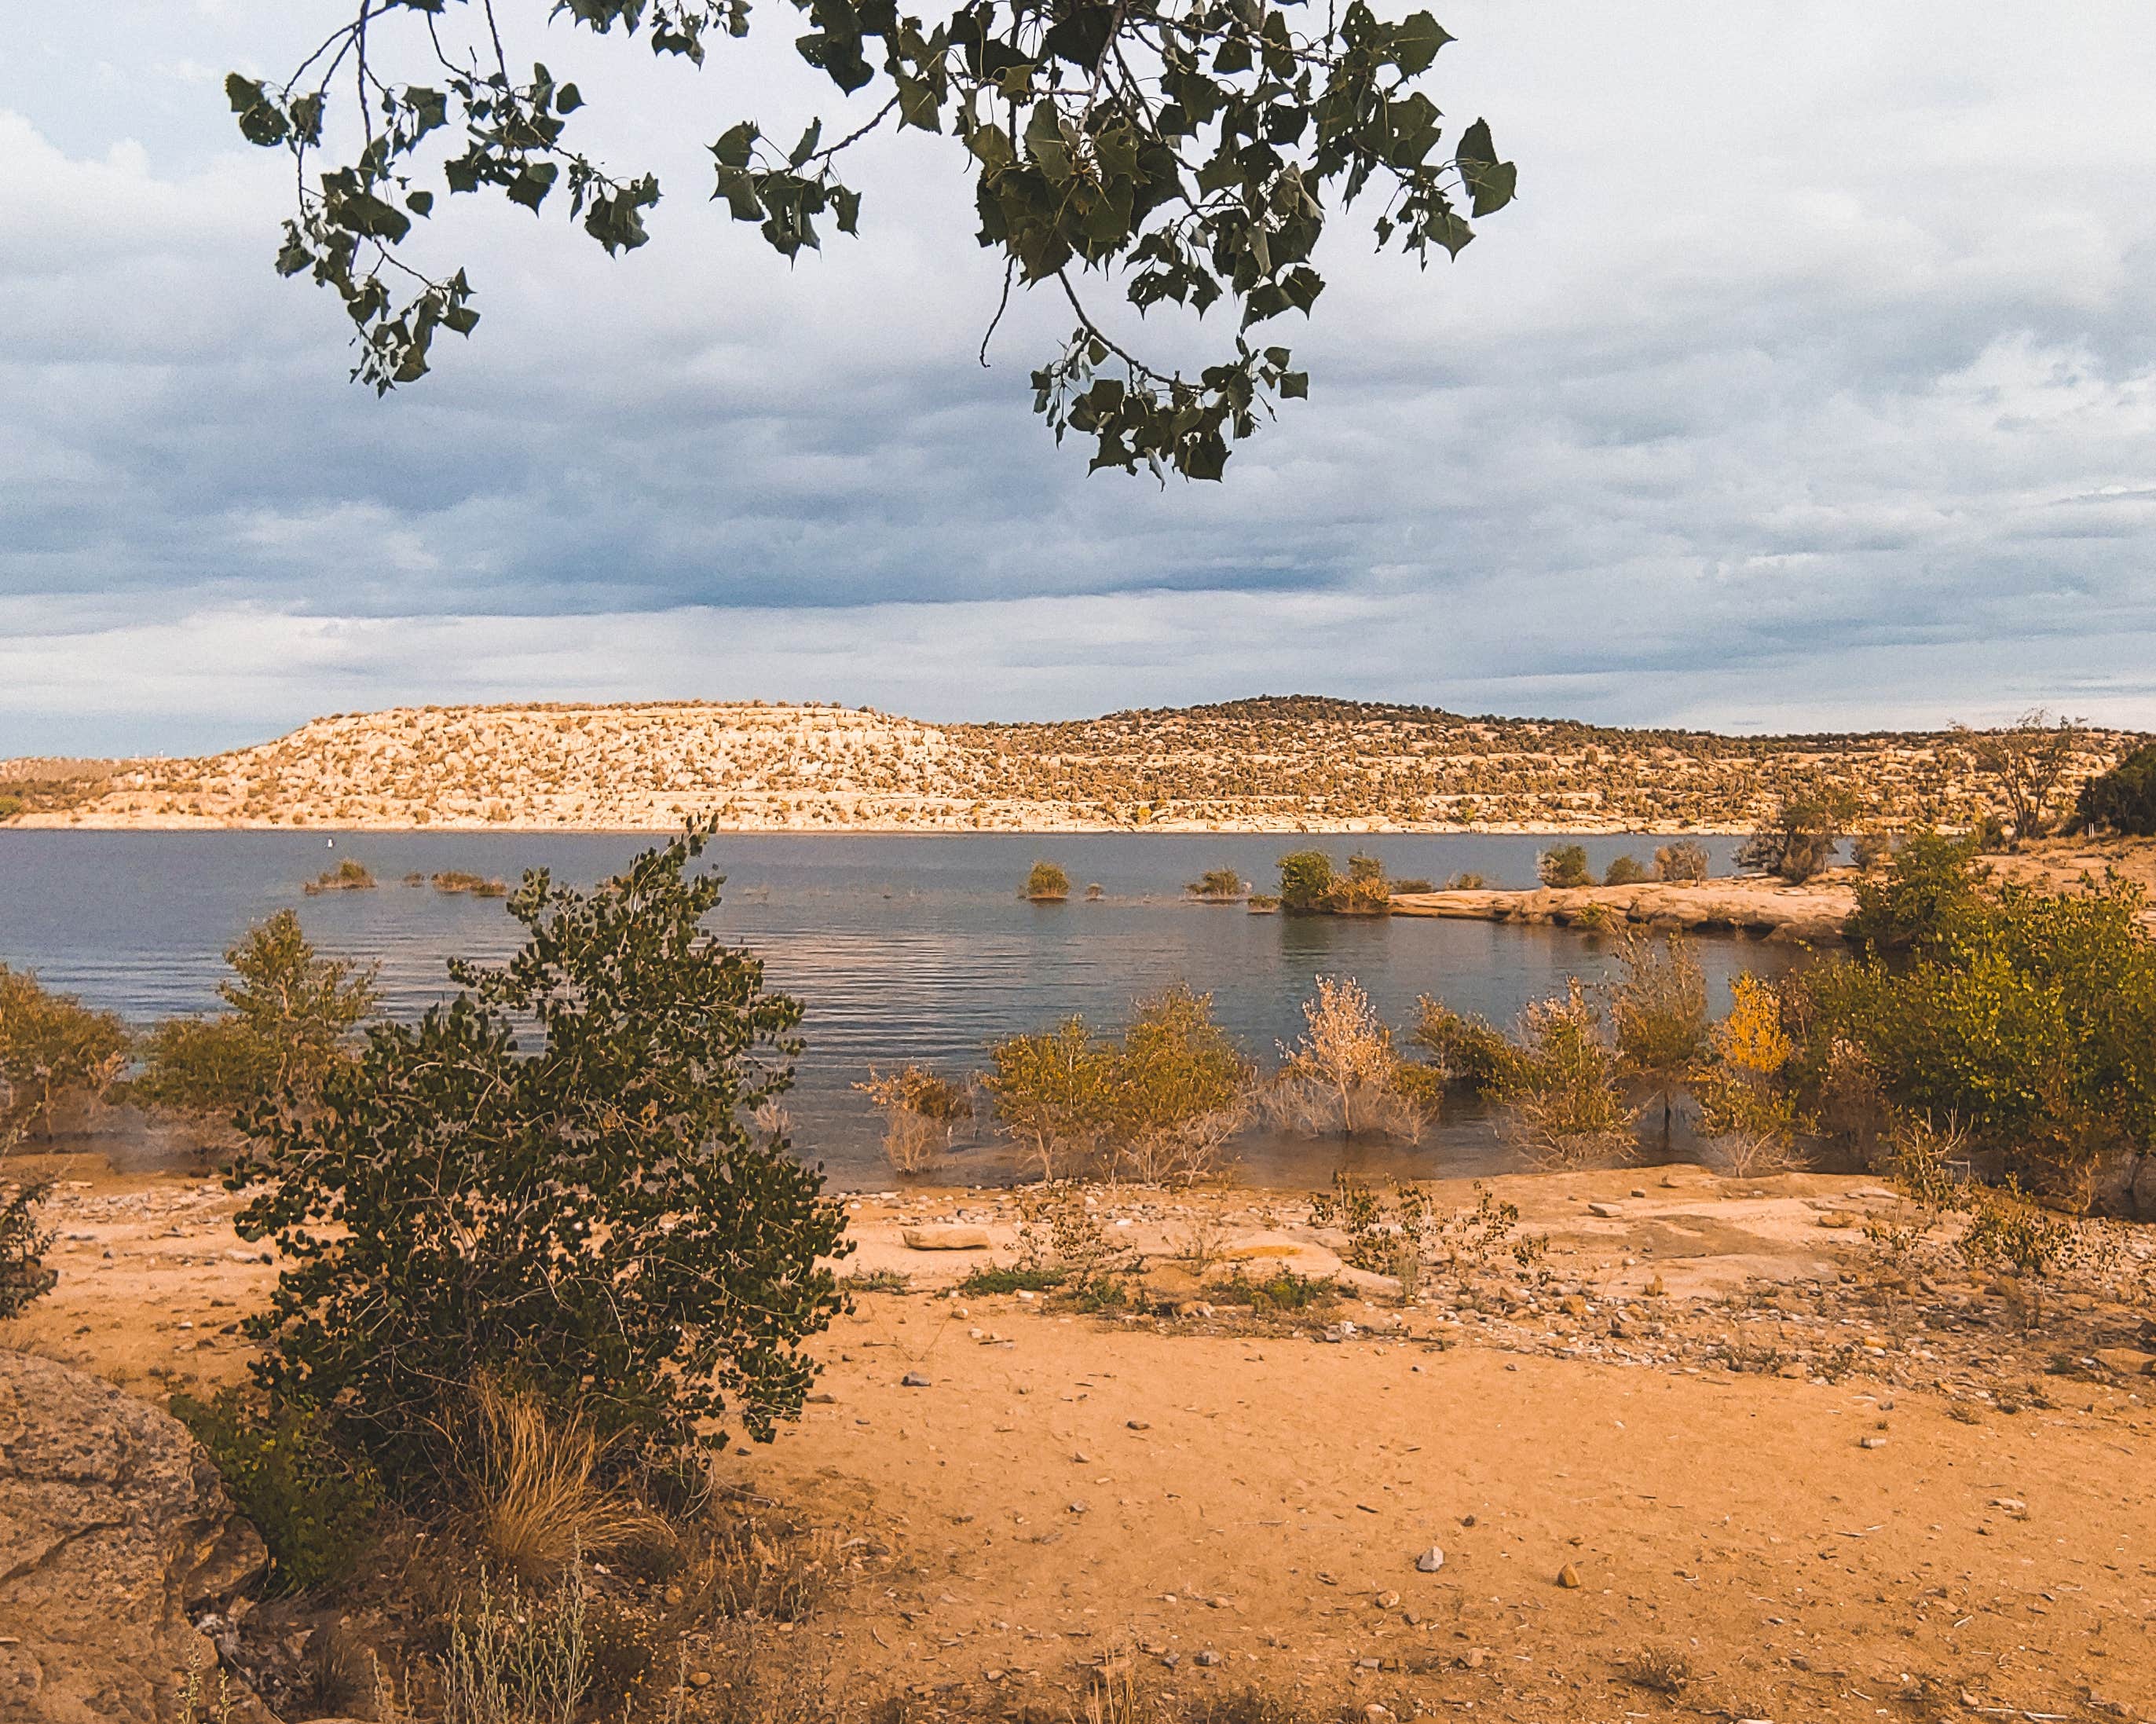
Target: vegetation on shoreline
[(1279, 764)]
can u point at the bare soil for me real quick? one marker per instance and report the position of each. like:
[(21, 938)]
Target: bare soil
[(1790, 1479)]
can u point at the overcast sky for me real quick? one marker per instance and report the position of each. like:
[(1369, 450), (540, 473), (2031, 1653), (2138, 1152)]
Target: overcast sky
[(1808, 384)]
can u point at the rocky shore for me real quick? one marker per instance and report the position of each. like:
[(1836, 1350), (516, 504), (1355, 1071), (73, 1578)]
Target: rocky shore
[(1760, 908)]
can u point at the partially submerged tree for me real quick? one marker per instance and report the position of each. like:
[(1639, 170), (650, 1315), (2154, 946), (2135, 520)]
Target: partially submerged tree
[(921, 1111), (1054, 1092), (1306, 880), (1681, 861), (1182, 148), (1564, 865), (1182, 1088), (1046, 884), (1658, 1010), (1343, 1075), (595, 1221), (1562, 1104)]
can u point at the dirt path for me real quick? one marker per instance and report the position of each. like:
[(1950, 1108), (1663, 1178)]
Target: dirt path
[(1224, 1501)]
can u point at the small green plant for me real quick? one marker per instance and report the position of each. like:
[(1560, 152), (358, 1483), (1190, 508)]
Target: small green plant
[(1306, 879), (1799, 838), (1658, 1010), (1019, 1278), (1564, 866), (1415, 884), (55, 1052), (1626, 871), (1283, 1291), (514, 1658), (1464, 1049), (2123, 798), (312, 1502), (24, 1243), (2009, 1234), (1217, 885), (456, 880), (1046, 884), (1053, 1093), (10, 806), (1059, 1230), (1343, 1075)]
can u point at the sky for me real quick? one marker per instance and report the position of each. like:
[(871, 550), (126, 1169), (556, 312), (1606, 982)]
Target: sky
[(1809, 384)]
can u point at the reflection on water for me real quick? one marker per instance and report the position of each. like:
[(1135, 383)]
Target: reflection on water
[(902, 948)]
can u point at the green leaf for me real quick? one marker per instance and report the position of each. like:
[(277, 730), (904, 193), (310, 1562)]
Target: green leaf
[(567, 98), (1415, 43), (735, 144)]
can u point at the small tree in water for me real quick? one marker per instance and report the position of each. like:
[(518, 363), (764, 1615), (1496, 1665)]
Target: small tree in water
[(1344, 1073), (1658, 1008), (596, 1222), (1046, 883)]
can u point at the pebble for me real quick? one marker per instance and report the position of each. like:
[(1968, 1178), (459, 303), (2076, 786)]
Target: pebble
[(1569, 1578), (914, 1379), (1135, 1424), (1430, 1560), (1872, 1442), (1209, 1659), (1386, 1601)]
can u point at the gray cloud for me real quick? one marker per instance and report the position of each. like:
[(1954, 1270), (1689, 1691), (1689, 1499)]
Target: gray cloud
[(1811, 383)]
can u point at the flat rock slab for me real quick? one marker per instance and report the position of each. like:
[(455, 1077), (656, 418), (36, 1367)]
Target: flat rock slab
[(2127, 1360), (115, 1531), (944, 1238)]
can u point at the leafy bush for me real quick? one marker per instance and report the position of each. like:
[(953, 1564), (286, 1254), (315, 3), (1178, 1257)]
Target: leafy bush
[(1413, 884), (54, 1051), (1046, 881), (1626, 871), (312, 1502), (1562, 1104), (595, 1222), (1217, 885), (1742, 1102), (1564, 865), (24, 1243), (289, 1024), (1800, 839), (1306, 879), (1059, 1232), (1464, 1049), (1179, 1087), (1683, 860), (1054, 1092), (2030, 1017), (1365, 891), (1465, 881), (1283, 1289), (2123, 798), (1405, 1237), (10, 806)]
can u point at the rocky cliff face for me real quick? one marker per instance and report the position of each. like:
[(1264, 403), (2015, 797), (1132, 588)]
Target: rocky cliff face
[(116, 1537)]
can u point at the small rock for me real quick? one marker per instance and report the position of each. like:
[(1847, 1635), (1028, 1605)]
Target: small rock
[(1209, 1659), (1794, 1371), (1837, 1219), (914, 1379), (1081, 1507), (2127, 1360), (1608, 1212), (1135, 1424), (1569, 1578), (1430, 1560), (699, 1678), (1473, 1658), (1872, 1442), (1386, 1601), (823, 1397)]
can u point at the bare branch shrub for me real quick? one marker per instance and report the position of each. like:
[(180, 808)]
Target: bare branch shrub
[(921, 1111), (1344, 1075)]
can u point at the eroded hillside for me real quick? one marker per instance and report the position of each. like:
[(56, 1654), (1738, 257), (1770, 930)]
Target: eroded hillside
[(1257, 765)]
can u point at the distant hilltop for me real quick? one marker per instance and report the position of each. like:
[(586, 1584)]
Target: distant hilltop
[(1272, 764)]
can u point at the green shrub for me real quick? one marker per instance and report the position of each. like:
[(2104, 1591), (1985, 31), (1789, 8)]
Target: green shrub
[(1658, 1010), (54, 1051), (1562, 1102), (290, 1018), (1046, 881), (1053, 1092), (2123, 798), (1179, 1087), (2029, 1017), (1415, 884), (312, 1503), (1217, 885), (595, 1221), (1306, 879), (1283, 1289), (1464, 1049), (1564, 865), (1682, 861), (1365, 891), (10, 806), (1626, 871), (1465, 881), (1024, 1278), (347, 876), (24, 1243)]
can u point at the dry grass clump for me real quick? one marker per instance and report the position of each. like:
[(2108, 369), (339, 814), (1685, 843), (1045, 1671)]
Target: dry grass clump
[(540, 1501), (1660, 1670)]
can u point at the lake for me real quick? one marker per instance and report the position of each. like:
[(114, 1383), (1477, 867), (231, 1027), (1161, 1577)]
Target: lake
[(901, 947)]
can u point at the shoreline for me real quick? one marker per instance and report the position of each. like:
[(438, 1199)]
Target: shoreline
[(73, 821), (1759, 908)]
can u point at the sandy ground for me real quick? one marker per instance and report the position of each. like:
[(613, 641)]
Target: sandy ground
[(1901, 1507)]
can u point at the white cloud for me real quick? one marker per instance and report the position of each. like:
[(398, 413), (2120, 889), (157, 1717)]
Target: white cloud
[(1809, 383)]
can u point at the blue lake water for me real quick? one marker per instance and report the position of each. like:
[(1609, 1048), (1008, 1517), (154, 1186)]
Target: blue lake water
[(900, 947)]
